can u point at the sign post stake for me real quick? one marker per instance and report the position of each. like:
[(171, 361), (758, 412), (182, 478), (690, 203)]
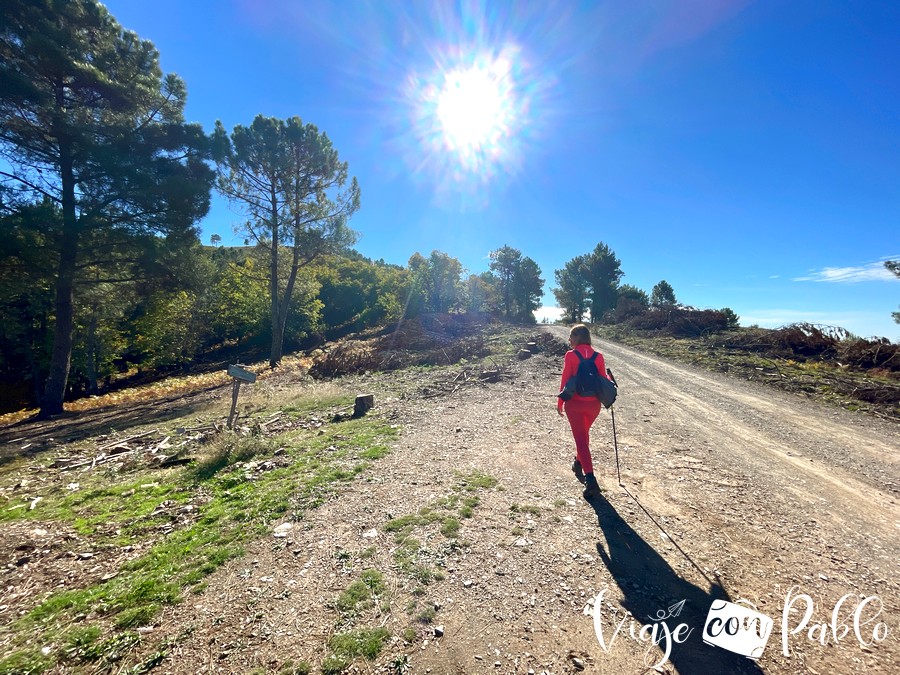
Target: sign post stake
[(240, 375), (235, 388)]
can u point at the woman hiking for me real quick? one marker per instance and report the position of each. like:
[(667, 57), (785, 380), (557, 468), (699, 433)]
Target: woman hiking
[(580, 410)]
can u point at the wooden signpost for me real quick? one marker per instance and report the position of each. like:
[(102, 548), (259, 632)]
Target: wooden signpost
[(240, 375)]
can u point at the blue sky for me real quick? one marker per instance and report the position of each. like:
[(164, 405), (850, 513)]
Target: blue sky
[(746, 152)]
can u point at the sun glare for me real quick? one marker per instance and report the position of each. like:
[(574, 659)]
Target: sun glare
[(473, 107), (468, 113)]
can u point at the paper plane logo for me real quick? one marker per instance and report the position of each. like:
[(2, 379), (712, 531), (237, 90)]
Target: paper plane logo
[(737, 628)]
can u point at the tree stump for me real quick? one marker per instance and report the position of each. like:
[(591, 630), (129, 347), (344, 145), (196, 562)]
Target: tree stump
[(364, 403)]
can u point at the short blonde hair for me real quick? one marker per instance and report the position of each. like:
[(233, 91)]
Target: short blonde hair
[(580, 334)]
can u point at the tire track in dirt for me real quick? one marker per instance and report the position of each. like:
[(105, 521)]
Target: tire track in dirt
[(768, 431)]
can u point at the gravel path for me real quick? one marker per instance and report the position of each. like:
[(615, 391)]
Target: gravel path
[(730, 491)]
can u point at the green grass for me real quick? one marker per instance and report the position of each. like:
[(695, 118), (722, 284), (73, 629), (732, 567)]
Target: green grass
[(363, 642), (427, 614), (450, 527), (525, 508), (475, 480), (298, 668), (361, 594), (233, 510), (25, 662), (410, 557)]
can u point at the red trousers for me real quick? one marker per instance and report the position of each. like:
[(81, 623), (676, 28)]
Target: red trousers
[(581, 413)]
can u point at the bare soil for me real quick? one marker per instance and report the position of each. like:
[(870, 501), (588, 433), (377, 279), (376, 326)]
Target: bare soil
[(729, 491)]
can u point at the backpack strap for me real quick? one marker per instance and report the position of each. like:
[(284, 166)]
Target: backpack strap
[(592, 357)]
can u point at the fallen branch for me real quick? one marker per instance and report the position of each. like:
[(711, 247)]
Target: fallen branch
[(126, 440)]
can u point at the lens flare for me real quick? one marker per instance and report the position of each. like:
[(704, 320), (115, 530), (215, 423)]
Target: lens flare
[(474, 107), (467, 114)]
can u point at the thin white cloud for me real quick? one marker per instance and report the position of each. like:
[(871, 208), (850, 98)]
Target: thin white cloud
[(874, 271)]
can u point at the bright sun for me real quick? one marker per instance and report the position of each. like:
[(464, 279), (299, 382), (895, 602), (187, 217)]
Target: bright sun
[(474, 106), (471, 116), (470, 110)]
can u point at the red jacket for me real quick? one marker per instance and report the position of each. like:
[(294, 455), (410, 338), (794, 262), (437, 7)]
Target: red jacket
[(570, 367)]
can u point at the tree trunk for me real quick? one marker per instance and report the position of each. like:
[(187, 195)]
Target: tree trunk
[(283, 305), (61, 359), (93, 355), (277, 322)]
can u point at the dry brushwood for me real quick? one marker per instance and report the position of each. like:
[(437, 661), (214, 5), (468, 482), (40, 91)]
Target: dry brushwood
[(431, 340)]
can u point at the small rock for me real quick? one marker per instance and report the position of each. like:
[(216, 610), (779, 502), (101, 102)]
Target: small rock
[(468, 583), (438, 631), (86, 555), (578, 663), (281, 532), (370, 534)]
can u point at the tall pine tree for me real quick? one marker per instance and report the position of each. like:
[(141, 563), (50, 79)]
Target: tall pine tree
[(287, 178), (89, 123)]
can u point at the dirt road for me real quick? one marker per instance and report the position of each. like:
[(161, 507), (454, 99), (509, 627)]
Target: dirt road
[(731, 492)]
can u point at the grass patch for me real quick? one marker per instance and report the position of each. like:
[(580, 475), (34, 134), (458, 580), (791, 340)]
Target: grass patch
[(364, 642), (450, 527), (236, 506), (475, 480), (299, 668), (319, 404), (524, 508), (427, 615), (411, 558), (361, 594), (230, 449), (25, 662)]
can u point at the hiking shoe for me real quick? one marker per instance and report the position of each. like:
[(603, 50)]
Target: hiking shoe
[(576, 469), (591, 489)]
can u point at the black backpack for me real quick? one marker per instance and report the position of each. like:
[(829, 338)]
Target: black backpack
[(588, 381)]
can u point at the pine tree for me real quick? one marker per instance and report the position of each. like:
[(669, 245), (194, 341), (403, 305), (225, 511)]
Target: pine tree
[(286, 177), (89, 123)]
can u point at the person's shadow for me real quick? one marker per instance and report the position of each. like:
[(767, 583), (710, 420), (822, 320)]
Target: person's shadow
[(650, 586)]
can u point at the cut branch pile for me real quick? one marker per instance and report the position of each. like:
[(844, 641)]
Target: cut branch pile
[(432, 340), (466, 377), (152, 447)]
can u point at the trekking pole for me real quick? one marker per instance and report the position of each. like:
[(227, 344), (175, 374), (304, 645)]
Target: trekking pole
[(615, 442)]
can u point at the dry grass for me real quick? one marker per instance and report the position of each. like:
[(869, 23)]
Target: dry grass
[(169, 387)]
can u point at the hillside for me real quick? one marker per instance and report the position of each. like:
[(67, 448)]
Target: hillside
[(443, 532)]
